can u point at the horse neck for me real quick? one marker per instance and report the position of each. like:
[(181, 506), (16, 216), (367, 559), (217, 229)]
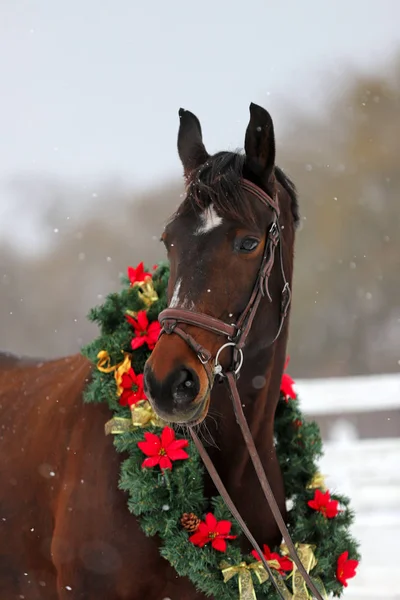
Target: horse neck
[(230, 454)]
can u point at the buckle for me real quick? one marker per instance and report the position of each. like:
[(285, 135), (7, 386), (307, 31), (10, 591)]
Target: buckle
[(273, 233), (203, 356), (235, 338)]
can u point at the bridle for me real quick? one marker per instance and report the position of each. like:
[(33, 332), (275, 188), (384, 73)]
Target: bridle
[(236, 335)]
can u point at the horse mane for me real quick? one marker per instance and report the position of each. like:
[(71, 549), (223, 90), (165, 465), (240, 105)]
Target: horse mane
[(217, 182)]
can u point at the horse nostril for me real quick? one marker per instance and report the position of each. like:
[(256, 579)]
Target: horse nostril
[(185, 386), (184, 378)]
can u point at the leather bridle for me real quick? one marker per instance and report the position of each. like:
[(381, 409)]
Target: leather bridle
[(236, 335)]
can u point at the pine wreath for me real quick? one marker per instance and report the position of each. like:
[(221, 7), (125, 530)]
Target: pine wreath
[(165, 486)]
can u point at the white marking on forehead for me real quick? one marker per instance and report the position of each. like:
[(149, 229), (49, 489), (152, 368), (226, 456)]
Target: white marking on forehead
[(210, 220), (175, 296)]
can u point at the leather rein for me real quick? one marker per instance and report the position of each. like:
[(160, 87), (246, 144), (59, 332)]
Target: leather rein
[(236, 335)]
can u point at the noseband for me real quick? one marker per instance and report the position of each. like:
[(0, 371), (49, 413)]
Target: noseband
[(236, 335)]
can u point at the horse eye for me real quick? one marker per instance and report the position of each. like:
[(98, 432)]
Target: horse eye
[(248, 244)]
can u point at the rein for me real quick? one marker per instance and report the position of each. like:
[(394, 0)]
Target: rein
[(170, 318)]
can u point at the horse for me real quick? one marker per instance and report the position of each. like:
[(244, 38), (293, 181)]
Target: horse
[(65, 528)]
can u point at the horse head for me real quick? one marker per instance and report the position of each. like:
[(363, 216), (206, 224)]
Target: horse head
[(218, 242)]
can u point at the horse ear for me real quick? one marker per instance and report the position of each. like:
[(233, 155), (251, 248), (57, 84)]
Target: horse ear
[(260, 143), (191, 149)]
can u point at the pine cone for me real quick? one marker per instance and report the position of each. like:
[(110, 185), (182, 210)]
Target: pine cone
[(190, 522)]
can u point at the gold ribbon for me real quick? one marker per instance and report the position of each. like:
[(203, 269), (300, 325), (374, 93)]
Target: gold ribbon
[(122, 368), (245, 581), (118, 425), (306, 555), (104, 362), (317, 482), (142, 415), (300, 591), (147, 293)]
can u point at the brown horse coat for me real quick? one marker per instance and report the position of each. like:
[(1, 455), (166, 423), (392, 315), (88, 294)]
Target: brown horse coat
[(65, 528)]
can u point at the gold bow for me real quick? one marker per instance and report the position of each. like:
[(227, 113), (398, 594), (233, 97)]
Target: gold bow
[(146, 292), (104, 362), (122, 368), (300, 591), (317, 482), (142, 415), (118, 425), (245, 581)]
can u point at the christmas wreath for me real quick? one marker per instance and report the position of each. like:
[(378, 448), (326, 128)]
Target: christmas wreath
[(163, 474)]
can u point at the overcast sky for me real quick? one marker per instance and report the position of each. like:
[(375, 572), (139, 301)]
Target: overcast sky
[(90, 89)]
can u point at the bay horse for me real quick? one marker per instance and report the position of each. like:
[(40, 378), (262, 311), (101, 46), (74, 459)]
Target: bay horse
[(65, 528)]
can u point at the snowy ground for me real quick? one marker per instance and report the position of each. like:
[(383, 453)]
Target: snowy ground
[(349, 394), (367, 470)]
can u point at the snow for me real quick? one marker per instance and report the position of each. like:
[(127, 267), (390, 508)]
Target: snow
[(349, 394), (367, 470)]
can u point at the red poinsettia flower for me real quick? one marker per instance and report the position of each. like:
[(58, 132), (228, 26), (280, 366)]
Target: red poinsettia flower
[(322, 503), (211, 530), (145, 332), (163, 450), (132, 386), (346, 569), (274, 559), (138, 274), (287, 384)]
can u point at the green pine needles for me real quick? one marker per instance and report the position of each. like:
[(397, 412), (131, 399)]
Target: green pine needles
[(159, 498)]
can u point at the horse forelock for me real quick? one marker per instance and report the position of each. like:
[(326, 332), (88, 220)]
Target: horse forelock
[(214, 193)]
